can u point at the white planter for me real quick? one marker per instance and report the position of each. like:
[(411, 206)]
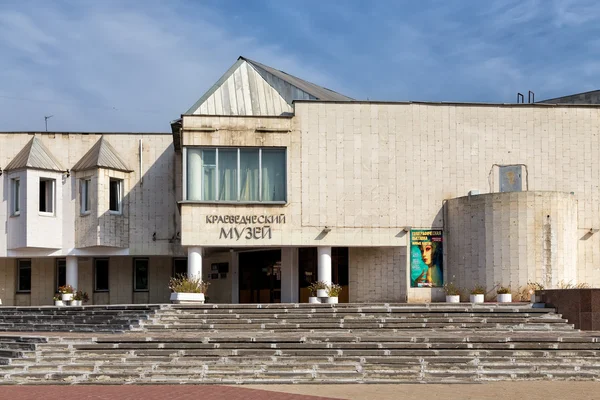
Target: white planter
[(322, 293), (505, 298), (76, 303), (187, 298), (453, 298), (476, 298), (313, 300), (332, 300), (67, 296), (59, 303)]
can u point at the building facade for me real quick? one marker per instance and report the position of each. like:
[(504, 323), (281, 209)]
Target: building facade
[(269, 183)]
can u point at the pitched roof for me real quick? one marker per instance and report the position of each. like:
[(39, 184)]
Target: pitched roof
[(101, 155), (319, 92), (252, 88), (35, 155)]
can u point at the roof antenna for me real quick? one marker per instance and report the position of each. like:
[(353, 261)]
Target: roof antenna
[(46, 118)]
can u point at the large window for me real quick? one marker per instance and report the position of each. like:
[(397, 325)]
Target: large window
[(16, 196), (115, 196), (61, 273), (84, 195), (101, 275), (244, 174), (140, 274), (47, 195), (23, 275)]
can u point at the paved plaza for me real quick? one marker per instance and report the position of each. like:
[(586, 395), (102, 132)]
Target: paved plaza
[(493, 391)]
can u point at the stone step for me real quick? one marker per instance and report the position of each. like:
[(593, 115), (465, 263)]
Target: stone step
[(324, 345), (178, 321)]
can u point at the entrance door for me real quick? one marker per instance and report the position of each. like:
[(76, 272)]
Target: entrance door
[(260, 276)]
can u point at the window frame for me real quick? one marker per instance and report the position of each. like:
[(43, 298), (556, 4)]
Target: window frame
[(120, 185), (19, 267), (85, 206), (96, 275), (135, 261), (51, 197), (238, 179), (57, 273), (15, 198)]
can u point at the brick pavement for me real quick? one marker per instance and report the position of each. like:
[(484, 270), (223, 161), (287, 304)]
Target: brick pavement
[(147, 392)]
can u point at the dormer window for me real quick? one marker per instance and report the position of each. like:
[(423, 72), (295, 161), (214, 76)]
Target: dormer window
[(115, 196), (15, 186), (47, 195), (84, 195)]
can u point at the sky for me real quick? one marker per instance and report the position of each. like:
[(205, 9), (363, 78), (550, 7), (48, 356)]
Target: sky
[(134, 66)]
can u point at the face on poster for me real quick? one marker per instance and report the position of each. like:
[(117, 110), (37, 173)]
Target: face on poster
[(426, 258)]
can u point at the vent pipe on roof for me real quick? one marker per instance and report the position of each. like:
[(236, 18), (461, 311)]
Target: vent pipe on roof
[(520, 96), (531, 97)]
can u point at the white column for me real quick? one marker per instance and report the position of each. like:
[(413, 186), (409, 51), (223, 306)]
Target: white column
[(194, 261), (289, 275), (193, 174), (324, 264), (72, 272)]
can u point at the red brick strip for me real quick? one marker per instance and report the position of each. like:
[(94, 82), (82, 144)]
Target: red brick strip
[(146, 392)]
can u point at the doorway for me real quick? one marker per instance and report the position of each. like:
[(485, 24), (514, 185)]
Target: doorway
[(308, 271), (260, 276)]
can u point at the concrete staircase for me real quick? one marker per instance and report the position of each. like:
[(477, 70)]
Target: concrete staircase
[(74, 319), (287, 343)]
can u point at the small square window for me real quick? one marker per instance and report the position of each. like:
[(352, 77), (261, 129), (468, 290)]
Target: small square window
[(16, 196), (61, 273), (24, 276), (47, 195), (115, 196), (101, 275), (140, 275), (84, 195)]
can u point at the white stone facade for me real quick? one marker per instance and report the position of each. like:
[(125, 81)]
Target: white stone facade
[(359, 175)]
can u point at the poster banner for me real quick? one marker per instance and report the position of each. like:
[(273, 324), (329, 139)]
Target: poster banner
[(426, 258)]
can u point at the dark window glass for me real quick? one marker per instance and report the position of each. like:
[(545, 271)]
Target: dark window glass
[(24, 276), (61, 273), (115, 188), (140, 274), (180, 266), (46, 195), (101, 275)]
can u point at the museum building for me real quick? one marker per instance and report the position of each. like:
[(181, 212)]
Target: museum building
[(269, 183)]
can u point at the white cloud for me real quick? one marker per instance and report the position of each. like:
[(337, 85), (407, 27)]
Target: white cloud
[(116, 66)]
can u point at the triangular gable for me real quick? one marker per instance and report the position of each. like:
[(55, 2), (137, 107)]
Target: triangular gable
[(101, 155), (251, 88), (241, 91), (35, 155), (285, 80)]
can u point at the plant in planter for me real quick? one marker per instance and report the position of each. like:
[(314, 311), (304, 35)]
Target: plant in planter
[(58, 300), (333, 292), (477, 294), (313, 293), (187, 290), (504, 294), (66, 292), (321, 288), (80, 297), (452, 292), (532, 287)]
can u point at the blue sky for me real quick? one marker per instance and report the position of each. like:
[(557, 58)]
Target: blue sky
[(136, 65)]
